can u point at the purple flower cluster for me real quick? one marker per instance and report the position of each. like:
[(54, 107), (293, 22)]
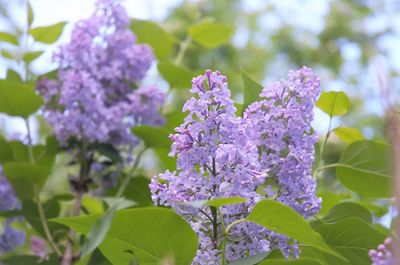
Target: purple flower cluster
[(222, 155), (10, 238), (280, 126), (384, 254), (97, 97)]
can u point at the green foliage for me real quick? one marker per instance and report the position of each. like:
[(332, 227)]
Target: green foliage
[(99, 230), (153, 137), (31, 56), (251, 92), (18, 99), (30, 14), (285, 220), (334, 103), (7, 37), (138, 191), (211, 34), (152, 235), (365, 167), (347, 210), (47, 34), (349, 135), (177, 76), (25, 177), (352, 238), (152, 34)]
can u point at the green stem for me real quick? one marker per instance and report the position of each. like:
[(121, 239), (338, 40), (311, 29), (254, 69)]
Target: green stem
[(30, 145), (182, 50), (214, 227), (328, 133), (128, 178), (229, 227), (45, 226), (221, 219), (328, 166)]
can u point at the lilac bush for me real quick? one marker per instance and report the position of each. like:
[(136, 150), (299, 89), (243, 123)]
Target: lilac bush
[(97, 96), (220, 155)]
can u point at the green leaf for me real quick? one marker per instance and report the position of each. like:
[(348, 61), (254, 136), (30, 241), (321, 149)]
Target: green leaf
[(21, 154), (13, 75), (249, 260), (30, 14), (365, 167), (18, 99), (334, 103), (167, 161), (349, 135), (152, 235), (210, 34), (25, 176), (138, 191), (218, 202), (300, 261), (174, 119), (5, 151), (177, 76), (284, 220), (251, 92), (7, 37), (99, 230), (92, 205), (329, 199), (47, 34), (31, 56), (352, 238), (153, 137), (51, 210), (325, 259), (109, 151), (8, 54), (154, 35), (346, 210)]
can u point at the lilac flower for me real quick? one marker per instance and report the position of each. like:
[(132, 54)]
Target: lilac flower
[(222, 155), (10, 238), (384, 254), (8, 201), (94, 99), (280, 126), (39, 247)]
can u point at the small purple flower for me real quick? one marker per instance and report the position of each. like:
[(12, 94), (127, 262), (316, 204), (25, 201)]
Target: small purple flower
[(39, 247), (384, 254), (10, 239)]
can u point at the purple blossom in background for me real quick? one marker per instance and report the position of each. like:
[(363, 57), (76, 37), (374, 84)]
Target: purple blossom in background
[(222, 155), (94, 97), (39, 247), (384, 254), (10, 238), (8, 201)]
